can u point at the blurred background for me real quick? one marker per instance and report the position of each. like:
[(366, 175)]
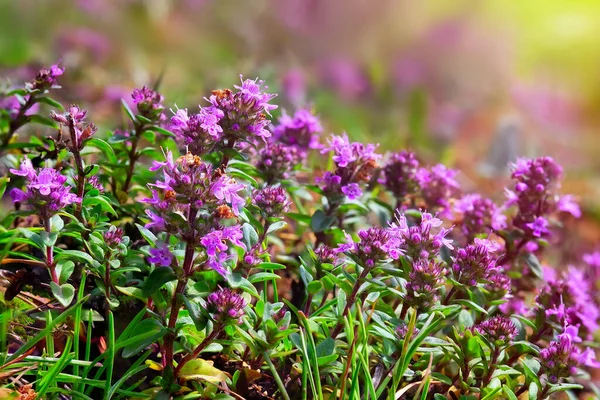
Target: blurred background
[(471, 83)]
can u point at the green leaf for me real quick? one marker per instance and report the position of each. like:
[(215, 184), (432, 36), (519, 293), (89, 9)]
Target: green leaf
[(157, 279), (326, 347), (509, 393), (276, 226), (250, 235), (41, 120), (314, 287), (242, 175), (76, 255), (63, 293), (305, 219), (104, 147), (465, 319), (319, 221), (102, 201), (146, 234), (34, 237), (128, 111), (200, 369), (472, 305), (143, 335), (162, 131), (270, 266), (534, 264), (56, 223), (64, 269), (263, 276), (195, 312), (133, 292), (561, 387), (3, 183), (50, 102)]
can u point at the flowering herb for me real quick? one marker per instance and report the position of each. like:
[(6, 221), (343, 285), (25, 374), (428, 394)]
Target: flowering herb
[(226, 263)]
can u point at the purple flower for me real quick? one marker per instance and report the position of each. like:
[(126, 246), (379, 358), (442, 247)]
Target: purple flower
[(592, 259), (11, 105), (301, 130), (215, 245), (437, 186), (375, 245), (161, 255), (498, 330), (199, 132), (352, 191), (568, 204), (425, 280), (539, 227), (498, 284), (294, 86), (326, 255), (113, 237), (421, 240), (479, 215), (244, 112), (355, 163), (346, 152), (94, 182), (149, 102), (226, 306), (192, 198), (514, 305), (45, 191), (402, 331), (46, 78), (535, 195), (272, 201), (562, 357), (400, 175), (74, 121), (473, 264), (226, 189), (276, 161)]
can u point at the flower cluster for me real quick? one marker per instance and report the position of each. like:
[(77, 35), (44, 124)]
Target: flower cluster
[(474, 263), (569, 301), (498, 284), (46, 78), (231, 117), (161, 256), (272, 201), (355, 163), (300, 130), (400, 175), (190, 203), (562, 357), (438, 186), (276, 161), (148, 102), (45, 192), (425, 280), (113, 237), (375, 245), (216, 246), (226, 306), (419, 240), (535, 195), (498, 330), (74, 120), (480, 215)]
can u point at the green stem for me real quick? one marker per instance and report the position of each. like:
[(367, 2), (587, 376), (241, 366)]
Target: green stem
[(194, 354), (276, 376)]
